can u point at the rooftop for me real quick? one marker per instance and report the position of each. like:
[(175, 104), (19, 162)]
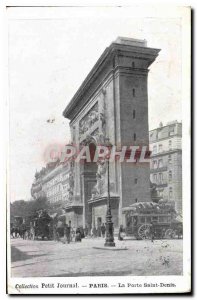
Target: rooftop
[(131, 42), (133, 48)]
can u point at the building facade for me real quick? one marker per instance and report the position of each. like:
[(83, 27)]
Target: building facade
[(166, 162), (52, 182), (112, 102), (55, 182)]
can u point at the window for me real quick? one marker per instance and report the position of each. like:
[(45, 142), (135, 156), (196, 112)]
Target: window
[(148, 219), (136, 180), (170, 193), (171, 130), (155, 219), (133, 92), (160, 163), (170, 145), (162, 219), (134, 114), (160, 177), (154, 164), (170, 159), (134, 136), (155, 178), (160, 148), (154, 149), (170, 175)]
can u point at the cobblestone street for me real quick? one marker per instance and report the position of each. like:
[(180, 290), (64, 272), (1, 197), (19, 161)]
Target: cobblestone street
[(51, 258)]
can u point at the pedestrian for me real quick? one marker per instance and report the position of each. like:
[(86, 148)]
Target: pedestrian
[(152, 233), (86, 231), (32, 231), (94, 231), (99, 231), (120, 234), (71, 230), (16, 232), (55, 233), (60, 229), (23, 230), (12, 232), (89, 230), (78, 235), (67, 233), (103, 229)]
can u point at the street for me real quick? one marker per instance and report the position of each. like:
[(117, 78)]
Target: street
[(89, 258)]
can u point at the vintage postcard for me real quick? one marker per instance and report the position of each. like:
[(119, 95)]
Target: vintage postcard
[(99, 140)]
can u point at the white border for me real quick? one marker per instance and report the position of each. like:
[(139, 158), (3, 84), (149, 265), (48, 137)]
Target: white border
[(183, 282)]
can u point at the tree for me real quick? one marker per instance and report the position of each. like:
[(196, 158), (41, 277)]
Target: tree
[(23, 208)]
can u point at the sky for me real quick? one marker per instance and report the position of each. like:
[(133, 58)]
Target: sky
[(51, 51)]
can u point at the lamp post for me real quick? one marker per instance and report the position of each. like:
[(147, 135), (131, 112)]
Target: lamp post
[(109, 241)]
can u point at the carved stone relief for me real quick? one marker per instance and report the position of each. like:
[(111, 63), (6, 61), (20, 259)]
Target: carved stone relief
[(100, 186), (71, 180), (102, 115), (88, 120), (98, 135)]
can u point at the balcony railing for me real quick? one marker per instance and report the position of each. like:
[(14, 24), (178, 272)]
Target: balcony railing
[(162, 183), (159, 169), (164, 152)]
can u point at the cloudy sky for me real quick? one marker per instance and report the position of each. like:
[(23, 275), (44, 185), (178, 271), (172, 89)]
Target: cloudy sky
[(51, 50)]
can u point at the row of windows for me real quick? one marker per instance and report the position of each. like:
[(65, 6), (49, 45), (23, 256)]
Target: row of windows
[(66, 197), (161, 193), (65, 176), (159, 163), (160, 149), (66, 186), (54, 190), (53, 181), (57, 179), (164, 132), (57, 198), (159, 177)]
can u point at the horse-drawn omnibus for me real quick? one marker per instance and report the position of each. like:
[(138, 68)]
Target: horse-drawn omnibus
[(148, 220)]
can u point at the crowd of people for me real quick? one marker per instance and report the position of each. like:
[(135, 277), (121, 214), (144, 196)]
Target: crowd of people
[(43, 226), (57, 231), (77, 234)]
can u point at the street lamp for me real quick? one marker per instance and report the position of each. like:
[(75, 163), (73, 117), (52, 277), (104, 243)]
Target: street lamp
[(109, 241)]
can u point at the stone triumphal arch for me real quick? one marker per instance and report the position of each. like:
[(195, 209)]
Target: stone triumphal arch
[(112, 102)]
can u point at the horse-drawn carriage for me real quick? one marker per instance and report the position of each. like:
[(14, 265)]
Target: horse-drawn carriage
[(149, 220), (38, 226)]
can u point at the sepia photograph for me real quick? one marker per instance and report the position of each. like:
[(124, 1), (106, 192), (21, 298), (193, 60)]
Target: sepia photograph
[(99, 117)]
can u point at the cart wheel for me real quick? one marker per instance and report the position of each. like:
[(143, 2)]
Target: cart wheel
[(144, 232), (170, 234)]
